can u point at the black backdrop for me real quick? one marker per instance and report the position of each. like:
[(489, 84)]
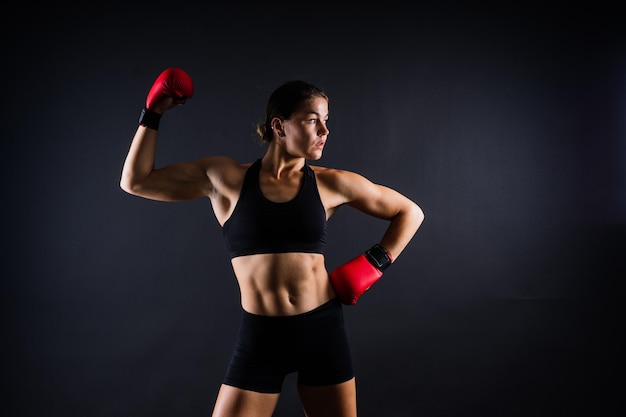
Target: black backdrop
[(506, 125)]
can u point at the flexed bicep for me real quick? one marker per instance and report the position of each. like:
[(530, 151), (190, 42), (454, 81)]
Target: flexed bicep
[(175, 182)]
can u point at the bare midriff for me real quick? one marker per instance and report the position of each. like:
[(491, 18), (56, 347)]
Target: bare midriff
[(282, 284)]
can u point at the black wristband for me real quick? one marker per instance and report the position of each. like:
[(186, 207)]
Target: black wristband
[(378, 257), (149, 118)]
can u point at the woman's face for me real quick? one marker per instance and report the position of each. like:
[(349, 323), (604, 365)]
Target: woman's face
[(305, 132)]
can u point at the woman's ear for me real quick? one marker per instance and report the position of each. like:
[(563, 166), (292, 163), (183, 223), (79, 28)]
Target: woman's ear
[(277, 126)]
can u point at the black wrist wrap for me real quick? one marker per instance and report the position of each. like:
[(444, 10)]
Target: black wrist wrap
[(378, 257), (149, 118)]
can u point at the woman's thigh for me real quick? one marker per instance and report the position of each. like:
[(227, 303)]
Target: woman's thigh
[(237, 402), (329, 400)]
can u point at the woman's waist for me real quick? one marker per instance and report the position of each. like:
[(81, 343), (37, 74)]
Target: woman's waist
[(282, 284)]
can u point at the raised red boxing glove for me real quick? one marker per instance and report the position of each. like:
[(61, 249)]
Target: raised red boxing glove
[(171, 88), (356, 276)]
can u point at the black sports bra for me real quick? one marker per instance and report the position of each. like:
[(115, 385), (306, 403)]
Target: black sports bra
[(258, 225)]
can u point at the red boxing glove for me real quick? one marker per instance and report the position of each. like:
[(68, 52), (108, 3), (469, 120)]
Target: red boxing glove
[(353, 278), (171, 88), (174, 83)]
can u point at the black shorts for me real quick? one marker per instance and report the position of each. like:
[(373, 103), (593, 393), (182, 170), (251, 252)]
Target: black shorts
[(313, 344)]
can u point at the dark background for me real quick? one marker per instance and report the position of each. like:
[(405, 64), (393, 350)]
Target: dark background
[(505, 124)]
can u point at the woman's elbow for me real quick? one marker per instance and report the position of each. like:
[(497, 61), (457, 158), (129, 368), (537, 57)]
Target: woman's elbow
[(128, 185), (417, 214)]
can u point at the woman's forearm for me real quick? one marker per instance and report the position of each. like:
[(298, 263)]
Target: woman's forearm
[(140, 159)]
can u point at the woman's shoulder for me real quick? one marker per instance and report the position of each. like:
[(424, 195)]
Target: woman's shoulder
[(334, 176), (322, 170), (333, 172)]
